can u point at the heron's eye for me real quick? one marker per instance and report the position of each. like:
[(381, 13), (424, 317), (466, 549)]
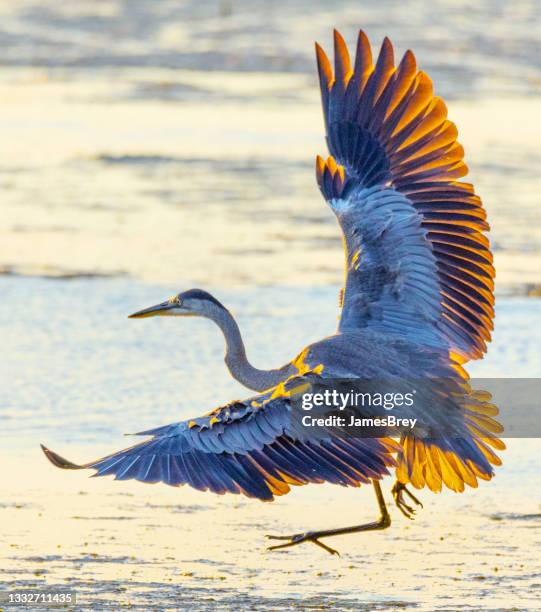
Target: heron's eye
[(174, 301)]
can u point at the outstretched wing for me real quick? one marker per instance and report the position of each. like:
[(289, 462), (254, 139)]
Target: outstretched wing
[(418, 261), (247, 447)]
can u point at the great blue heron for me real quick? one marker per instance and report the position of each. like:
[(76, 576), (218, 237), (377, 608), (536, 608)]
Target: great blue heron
[(418, 301)]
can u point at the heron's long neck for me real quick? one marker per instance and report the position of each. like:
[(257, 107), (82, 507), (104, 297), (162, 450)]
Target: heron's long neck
[(235, 357)]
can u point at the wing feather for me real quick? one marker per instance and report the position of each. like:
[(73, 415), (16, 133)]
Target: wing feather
[(386, 128), (248, 447)]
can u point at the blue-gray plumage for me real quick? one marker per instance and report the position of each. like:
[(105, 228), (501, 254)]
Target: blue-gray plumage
[(417, 303)]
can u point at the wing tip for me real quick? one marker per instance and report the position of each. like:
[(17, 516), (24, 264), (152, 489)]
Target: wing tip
[(331, 177), (341, 56), (409, 58), (59, 461), (387, 45), (324, 65)]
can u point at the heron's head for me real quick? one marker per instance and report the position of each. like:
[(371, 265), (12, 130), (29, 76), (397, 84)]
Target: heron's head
[(192, 303)]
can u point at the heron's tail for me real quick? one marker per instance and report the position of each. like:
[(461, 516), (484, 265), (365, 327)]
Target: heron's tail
[(454, 461)]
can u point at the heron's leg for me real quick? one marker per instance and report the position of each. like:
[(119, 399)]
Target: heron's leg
[(398, 491), (383, 522)]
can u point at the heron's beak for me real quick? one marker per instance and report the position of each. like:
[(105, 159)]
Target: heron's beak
[(160, 310)]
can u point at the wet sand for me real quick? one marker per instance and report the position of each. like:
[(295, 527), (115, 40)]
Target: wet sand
[(154, 547)]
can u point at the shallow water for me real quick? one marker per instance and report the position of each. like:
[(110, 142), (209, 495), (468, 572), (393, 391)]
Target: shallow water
[(153, 146), (85, 375), (151, 139)]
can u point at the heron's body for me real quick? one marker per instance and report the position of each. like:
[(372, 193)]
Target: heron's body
[(417, 303)]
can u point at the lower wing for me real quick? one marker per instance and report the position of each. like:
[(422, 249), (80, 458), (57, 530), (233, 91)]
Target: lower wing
[(246, 447)]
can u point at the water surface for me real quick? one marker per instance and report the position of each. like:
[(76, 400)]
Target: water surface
[(152, 146), (80, 374)]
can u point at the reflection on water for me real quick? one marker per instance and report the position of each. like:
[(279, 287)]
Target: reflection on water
[(471, 48), (154, 138)]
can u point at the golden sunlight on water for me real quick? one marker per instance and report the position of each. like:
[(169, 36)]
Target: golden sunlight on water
[(239, 180), (152, 146)]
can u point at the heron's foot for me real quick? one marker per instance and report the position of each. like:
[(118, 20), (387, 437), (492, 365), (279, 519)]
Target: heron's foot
[(398, 491), (299, 538)]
